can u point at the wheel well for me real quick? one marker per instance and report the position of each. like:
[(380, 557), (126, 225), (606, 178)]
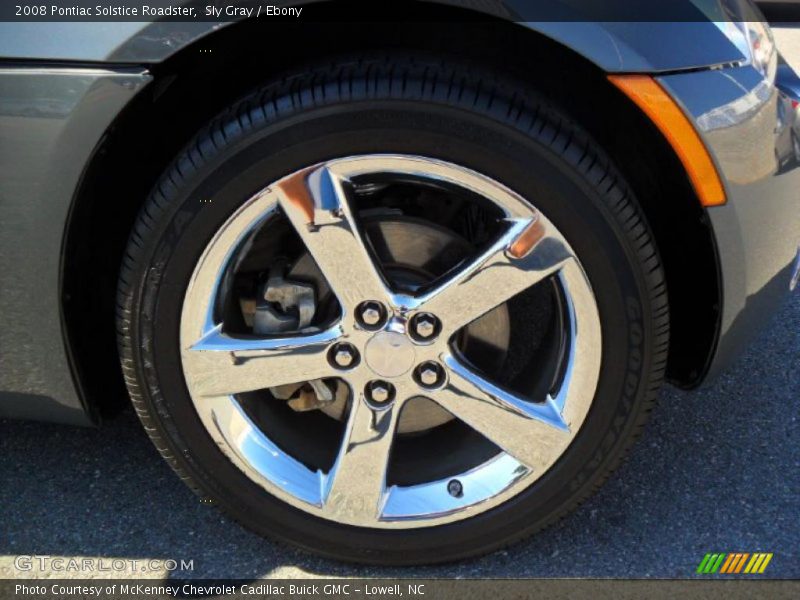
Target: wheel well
[(198, 82)]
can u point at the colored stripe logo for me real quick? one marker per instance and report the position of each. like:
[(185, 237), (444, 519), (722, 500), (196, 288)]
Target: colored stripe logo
[(733, 563)]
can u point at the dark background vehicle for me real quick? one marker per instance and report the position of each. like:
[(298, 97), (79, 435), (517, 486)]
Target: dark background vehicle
[(97, 173), (789, 110)]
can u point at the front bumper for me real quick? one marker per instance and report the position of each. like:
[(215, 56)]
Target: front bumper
[(757, 231)]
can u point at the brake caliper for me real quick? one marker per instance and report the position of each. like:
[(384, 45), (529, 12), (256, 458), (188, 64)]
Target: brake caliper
[(283, 305), (288, 306)]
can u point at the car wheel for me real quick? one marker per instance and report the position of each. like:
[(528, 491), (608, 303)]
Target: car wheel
[(393, 310), (796, 147)]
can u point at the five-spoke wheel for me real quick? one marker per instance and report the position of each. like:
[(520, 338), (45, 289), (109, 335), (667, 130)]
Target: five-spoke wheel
[(390, 346)]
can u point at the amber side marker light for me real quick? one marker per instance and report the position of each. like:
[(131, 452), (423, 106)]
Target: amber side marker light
[(680, 133)]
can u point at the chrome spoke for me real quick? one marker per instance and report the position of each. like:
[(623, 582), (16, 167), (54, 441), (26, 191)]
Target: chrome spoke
[(316, 203), (355, 486), (220, 365), (533, 433), (523, 256)]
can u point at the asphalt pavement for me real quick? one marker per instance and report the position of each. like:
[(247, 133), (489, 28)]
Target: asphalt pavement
[(717, 470)]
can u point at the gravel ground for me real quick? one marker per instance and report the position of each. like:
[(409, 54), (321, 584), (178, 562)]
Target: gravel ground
[(717, 471)]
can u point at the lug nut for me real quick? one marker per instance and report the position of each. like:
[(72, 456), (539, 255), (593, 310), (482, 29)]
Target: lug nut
[(344, 355), (424, 326), (429, 374), (380, 392), (371, 316), (370, 313)]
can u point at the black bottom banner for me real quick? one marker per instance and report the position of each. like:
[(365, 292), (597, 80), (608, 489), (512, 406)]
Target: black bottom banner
[(358, 589)]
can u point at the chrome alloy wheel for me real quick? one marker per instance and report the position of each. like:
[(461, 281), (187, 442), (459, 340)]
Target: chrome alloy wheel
[(406, 349)]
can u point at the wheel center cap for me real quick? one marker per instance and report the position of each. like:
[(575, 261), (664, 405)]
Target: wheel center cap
[(389, 354)]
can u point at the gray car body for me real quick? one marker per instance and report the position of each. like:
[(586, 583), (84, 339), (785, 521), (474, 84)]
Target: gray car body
[(63, 85)]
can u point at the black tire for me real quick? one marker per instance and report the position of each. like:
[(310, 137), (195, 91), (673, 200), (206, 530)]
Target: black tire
[(396, 104)]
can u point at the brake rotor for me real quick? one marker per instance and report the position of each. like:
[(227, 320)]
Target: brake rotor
[(412, 253)]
